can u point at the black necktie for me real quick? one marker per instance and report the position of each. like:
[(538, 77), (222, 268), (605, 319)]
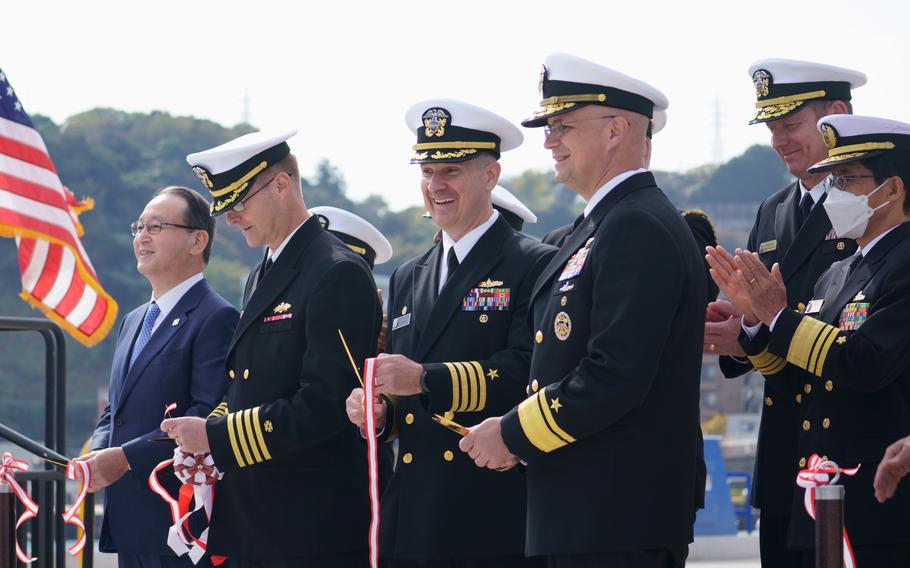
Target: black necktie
[(805, 207), (268, 264), (854, 262), (451, 263)]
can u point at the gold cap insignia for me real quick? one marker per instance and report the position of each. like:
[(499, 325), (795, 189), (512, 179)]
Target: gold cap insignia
[(761, 79), (829, 135), (489, 283), (282, 307), (542, 80), (434, 122), (203, 175)]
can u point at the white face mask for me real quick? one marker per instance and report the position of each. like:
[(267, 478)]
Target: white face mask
[(850, 213)]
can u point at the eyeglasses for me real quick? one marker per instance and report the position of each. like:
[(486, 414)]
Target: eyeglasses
[(558, 128), (136, 227), (240, 206), (841, 182)]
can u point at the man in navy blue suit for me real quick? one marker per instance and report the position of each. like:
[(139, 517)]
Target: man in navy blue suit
[(171, 349)]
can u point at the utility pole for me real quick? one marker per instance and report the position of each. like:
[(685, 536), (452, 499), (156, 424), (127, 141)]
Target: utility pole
[(718, 143)]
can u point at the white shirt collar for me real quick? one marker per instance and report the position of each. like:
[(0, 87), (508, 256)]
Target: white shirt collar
[(607, 187), (169, 299), (274, 254), (462, 246), (816, 192), (865, 250)]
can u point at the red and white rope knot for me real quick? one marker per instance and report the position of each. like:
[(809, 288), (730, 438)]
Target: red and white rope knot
[(820, 472), (197, 474), (75, 470), (8, 467)]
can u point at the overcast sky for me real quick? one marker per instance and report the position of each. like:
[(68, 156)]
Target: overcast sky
[(344, 72)]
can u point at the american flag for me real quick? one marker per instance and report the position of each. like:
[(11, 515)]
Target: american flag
[(42, 215)]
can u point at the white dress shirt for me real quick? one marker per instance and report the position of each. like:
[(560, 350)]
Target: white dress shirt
[(607, 187), (169, 299)]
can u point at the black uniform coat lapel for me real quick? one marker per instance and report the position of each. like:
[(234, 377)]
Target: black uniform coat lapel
[(806, 240), (277, 279), (473, 269)]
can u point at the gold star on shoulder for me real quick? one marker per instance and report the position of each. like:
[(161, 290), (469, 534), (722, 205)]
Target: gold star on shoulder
[(841, 340), (493, 374), (554, 404), (268, 426)]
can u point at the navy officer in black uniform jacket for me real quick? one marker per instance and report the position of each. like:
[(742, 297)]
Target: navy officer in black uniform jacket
[(609, 431), (459, 346), (850, 345), (294, 491), (793, 229)]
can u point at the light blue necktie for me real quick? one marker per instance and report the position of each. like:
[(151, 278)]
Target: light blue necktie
[(146, 332)]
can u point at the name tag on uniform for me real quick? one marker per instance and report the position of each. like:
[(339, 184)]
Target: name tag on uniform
[(814, 306), (767, 246), (401, 321)]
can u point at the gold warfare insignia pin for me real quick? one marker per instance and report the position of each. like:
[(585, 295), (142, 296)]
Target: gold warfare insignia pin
[(562, 326), (829, 135), (762, 80), (859, 296), (488, 283), (281, 308), (434, 122), (203, 175)]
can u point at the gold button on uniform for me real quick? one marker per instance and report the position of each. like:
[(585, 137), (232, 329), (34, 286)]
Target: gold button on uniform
[(802, 462), (404, 310), (801, 307), (407, 458), (841, 245), (448, 455), (807, 388), (246, 373), (231, 373), (409, 418), (806, 425), (449, 415), (538, 337), (768, 401), (829, 386), (484, 318), (528, 390), (826, 423), (799, 399), (534, 385)]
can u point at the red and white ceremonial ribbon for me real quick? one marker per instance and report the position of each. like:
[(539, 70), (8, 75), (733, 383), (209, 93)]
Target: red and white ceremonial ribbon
[(820, 472), (71, 516), (198, 475), (169, 408), (369, 370), (8, 466)]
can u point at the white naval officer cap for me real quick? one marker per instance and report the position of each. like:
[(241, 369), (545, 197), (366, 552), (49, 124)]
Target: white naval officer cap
[(228, 170), (851, 137), (356, 232), (782, 86), (454, 131), (515, 212), (568, 82)]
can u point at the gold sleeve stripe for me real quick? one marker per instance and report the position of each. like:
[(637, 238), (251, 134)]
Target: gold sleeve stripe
[(463, 387), (241, 438), (259, 437), (767, 363), (220, 410), (233, 439), (810, 344), (551, 421), (540, 429), (826, 339), (473, 386), (249, 435), (482, 382), (451, 369)]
